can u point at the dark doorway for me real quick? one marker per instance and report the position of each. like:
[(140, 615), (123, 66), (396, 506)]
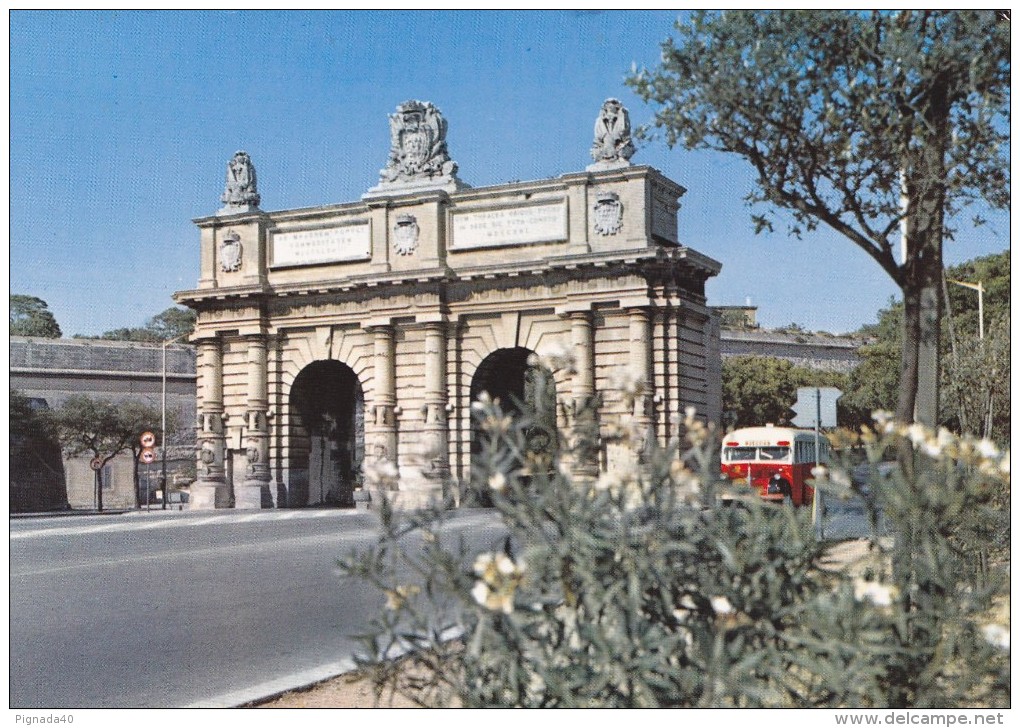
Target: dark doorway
[(327, 435), (507, 375)]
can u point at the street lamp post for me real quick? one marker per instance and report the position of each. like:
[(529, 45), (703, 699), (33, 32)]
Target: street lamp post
[(162, 427), (979, 287)]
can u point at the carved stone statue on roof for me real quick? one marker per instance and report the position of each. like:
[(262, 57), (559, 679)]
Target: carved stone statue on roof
[(241, 193), (612, 147), (418, 157)]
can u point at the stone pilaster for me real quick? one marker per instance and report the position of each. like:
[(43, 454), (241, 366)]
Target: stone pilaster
[(435, 437), (211, 489), (255, 489), (381, 422), (585, 419), (641, 369)]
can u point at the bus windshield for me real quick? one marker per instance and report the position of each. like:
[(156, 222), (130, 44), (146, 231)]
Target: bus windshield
[(742, 454)]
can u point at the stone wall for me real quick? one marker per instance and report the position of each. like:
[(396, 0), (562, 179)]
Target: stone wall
[(52, 370), (804, 349)]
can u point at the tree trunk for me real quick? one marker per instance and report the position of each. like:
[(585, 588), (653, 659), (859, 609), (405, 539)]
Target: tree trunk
[(909, 361), (919, 385), (922, 289), (134, 477), (922, 316)]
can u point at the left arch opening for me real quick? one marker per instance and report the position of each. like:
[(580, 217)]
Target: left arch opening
[(327, 408)]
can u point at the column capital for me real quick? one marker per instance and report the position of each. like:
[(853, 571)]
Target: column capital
[(206, 340), (435, 324), (575, 311)]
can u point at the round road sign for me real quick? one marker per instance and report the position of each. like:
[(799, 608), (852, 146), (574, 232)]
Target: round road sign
[(148, 455), (148, 439), (96, 463)]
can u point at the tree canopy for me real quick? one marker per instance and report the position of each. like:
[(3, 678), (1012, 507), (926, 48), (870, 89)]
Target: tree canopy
[(877, 125), (974, 375), (31, 316), (172, 323), (102, 429), (761, 389)]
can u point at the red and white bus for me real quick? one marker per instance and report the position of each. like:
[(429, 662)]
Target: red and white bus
[(774, 461)]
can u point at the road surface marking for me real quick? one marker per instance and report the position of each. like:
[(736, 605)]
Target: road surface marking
[(175, 522)]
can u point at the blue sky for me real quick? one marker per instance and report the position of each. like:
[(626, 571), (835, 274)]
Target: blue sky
[(122, 123)]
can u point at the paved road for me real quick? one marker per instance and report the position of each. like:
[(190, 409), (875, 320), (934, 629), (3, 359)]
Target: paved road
[(181, 609), (177, 609)]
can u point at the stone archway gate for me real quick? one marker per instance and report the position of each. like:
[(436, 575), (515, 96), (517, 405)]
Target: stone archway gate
[(415, 284)]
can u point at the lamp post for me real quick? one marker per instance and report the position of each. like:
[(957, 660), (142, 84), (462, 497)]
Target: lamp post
[(162, 427), (979, 287)]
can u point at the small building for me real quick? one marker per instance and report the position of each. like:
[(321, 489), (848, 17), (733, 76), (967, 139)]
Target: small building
[(48, 371), (344, 337), (738, 317)]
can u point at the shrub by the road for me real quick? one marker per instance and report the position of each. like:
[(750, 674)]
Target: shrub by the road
[(647, 588)]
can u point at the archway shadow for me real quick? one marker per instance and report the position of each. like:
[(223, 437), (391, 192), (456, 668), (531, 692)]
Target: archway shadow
[(327, 436)]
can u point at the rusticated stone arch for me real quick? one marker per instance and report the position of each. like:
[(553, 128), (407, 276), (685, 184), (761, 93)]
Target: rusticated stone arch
[(524, 388), (326, 433)]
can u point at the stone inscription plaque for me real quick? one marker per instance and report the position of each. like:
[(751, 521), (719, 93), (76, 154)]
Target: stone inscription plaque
[(323, 245), (541, 223)]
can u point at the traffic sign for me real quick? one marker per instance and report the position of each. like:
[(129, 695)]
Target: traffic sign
[(816, 403), (147, 439), (148, 456), (96, 463)]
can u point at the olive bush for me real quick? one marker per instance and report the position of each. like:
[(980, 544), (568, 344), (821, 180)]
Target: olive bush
[(658, 585)]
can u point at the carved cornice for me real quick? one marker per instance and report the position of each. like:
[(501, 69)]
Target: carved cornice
[(669, 261)]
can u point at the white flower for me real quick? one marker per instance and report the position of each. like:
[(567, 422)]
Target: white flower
[(884, 421), (482, 563), (996, 635), (987, 449), (917, 433), (689, 414), (480, 591), (932, 448), (382, 474), (558, 357), (504, 565), (396, 598), (819, 472), (497, 481), (721, 605), (687, 602), (498, 600), (497, 424), (946, 438), (878, 594)]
